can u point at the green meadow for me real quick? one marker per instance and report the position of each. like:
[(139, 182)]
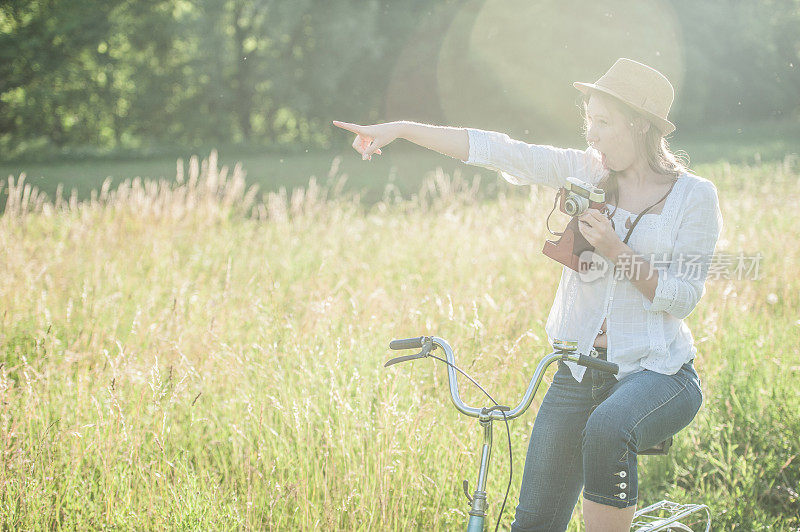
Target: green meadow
[(403, 166), (196, 353)]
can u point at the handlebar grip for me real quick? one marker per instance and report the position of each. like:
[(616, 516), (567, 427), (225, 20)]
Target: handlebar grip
[(600, 365), (406, 343)]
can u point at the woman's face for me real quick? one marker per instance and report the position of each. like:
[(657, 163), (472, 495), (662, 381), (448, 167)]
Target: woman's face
[(609, 131)]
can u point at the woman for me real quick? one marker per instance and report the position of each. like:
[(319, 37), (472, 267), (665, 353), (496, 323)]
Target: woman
[(663, 220)]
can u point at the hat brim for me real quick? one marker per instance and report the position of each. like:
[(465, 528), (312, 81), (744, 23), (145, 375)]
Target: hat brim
[(665, 126)]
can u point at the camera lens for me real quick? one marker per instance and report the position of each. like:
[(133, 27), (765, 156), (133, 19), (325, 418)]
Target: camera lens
[(570, 207), (575, 205)]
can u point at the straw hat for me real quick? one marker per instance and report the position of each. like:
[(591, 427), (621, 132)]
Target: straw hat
[(645, 89)]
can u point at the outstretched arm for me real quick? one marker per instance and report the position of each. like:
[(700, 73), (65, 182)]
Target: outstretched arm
[(518, 162), (451, 141)]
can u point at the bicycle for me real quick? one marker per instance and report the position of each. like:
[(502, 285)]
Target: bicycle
[(661, 516)]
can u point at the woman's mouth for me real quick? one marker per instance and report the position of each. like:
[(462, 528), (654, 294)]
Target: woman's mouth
[(603, 159)]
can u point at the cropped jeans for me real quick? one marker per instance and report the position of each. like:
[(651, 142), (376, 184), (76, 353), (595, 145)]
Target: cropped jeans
[(586, 434)]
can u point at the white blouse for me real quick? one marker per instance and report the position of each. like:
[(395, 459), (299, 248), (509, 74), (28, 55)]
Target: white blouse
[(679, 242)]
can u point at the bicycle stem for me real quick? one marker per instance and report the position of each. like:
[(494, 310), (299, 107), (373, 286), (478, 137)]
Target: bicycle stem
[(479, 503)]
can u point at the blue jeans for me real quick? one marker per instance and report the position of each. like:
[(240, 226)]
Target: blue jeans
[(587, 434)]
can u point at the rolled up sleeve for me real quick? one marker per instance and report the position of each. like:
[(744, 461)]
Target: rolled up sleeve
[(520, 163), (682, 284)]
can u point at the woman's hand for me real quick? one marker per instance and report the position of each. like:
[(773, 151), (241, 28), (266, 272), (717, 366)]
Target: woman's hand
[(370, 139), (596, 228)]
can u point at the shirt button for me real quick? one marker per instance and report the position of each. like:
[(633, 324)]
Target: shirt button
[(622, 474), (622, 495), (622, 485)]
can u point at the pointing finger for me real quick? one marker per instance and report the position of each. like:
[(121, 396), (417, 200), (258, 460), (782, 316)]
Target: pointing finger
[(355, 128)]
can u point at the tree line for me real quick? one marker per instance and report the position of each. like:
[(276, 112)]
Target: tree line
[(123, 72)]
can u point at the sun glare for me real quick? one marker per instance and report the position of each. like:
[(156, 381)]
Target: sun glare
[(509, 64)]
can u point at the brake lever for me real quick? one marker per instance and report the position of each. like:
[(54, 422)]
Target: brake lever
[(427, 347)]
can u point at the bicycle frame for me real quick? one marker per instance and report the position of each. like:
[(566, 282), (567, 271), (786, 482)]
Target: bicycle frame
[(486, 416)]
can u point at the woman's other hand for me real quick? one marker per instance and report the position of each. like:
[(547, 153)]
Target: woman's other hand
[(370, 139), (596, 228)]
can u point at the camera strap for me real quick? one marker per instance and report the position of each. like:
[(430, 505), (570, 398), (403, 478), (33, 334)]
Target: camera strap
[(636, 221), (555, 204)]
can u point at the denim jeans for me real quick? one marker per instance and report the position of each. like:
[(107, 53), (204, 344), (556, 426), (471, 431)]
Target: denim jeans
[(586, 434)]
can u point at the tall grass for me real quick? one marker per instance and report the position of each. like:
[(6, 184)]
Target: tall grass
[(193, 354)]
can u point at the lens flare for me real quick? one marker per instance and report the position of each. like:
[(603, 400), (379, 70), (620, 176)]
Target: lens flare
[(509, 64)]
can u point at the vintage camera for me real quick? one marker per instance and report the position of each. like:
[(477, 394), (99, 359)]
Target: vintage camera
[(573, 199)]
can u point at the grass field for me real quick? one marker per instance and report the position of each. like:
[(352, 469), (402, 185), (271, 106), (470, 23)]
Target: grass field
[(405, 166), (194, 354)]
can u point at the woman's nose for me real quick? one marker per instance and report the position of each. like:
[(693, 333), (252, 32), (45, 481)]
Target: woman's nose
[(591, 136)]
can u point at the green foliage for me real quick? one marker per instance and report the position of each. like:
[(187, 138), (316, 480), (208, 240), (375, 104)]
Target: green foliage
[(742, 59), (111, 73), (135, 73)]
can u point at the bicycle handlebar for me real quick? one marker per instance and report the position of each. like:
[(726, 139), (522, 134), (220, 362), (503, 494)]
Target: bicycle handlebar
[(527, 399), (596, 363), (406, 343)]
